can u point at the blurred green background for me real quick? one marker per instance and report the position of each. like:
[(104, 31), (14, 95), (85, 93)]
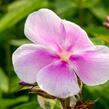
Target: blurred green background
[(89, 14)]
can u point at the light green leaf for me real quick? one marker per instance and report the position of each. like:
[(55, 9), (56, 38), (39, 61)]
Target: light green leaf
[(22, 9), (9, 102), (97, 30), (99, 92), (49, 103), (97, 41), (99, 12), (4, 83), (31, 105), (19, 42)]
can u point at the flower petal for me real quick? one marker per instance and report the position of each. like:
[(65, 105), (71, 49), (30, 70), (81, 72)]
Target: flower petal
[(92, 67), (58, 79), (76, 37), (29, 59), (43, 27)]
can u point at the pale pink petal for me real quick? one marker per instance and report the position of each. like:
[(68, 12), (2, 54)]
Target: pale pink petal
[(76, 38), (58, 79), (29, 59), (44, 27), (92, 67)]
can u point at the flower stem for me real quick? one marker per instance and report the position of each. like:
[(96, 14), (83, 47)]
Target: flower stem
[(63, 103)]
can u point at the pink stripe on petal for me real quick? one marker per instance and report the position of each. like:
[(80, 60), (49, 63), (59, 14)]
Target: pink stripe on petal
[(92, 67), (58, 79), (29, 59)]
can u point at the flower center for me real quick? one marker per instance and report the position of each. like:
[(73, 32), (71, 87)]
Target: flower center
[(64, 56)]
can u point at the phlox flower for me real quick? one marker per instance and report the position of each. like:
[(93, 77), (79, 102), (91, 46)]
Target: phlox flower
[(60, 54)]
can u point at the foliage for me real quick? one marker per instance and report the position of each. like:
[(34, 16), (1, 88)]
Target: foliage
[(90, 14)]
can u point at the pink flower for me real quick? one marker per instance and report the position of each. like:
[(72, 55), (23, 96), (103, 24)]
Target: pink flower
[(60, 52)]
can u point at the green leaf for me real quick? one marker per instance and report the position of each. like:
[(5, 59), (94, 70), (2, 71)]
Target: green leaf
[(15, 5), (57, 105), (14, 84), (31, 105), (89, 3), (98, 92), (19, 42), (4, 83), (22, 9), (97, 30), (63, 7), (97, 41), (9, 102), (103, 38), (99, 12), (49, 103)]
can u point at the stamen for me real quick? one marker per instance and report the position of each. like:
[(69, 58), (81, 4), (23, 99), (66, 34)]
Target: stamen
[(64, 56)]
